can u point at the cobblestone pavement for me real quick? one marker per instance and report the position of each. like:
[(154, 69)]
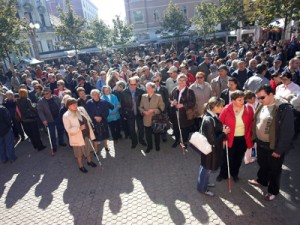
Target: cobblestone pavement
[(133, 188)]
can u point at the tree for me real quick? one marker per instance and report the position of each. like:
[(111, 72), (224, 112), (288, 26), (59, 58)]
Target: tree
[(11, 29), (121, 32), (206, 19), (175, 20), (265, 11), (99, 32), (72, 29)]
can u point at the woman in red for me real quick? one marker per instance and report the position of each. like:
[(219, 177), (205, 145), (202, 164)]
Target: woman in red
[(238, 118)]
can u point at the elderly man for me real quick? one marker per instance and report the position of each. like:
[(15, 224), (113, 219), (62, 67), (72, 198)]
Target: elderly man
[(48, 109), (242, 73), (254, 82), (205, 66), (147, 76), (171, 82), (293, 68), (219, 83)]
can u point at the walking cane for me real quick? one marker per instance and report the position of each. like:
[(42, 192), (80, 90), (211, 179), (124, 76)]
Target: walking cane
[(94, 151), (49, 137), (228, 169), (181, 139)]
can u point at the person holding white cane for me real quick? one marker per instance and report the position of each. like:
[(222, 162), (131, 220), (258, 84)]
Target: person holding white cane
[(79, 128)]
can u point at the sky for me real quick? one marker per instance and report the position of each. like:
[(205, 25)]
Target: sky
[(109, 8)]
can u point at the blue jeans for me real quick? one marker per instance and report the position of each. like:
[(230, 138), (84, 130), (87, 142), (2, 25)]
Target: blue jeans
[(7, 145), (60, 132), (203, 179)]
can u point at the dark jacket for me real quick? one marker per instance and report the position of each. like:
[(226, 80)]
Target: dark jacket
[(225, 96), (28, 112), (44, 110), (11, 106), (163, 91), (242, 76), (126, 102), (212, 129), (5, 121), (188, 100)]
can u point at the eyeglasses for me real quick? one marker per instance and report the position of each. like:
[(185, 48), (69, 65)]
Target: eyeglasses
[(132, 84), (199, 78), (155, 81), (261, 97)]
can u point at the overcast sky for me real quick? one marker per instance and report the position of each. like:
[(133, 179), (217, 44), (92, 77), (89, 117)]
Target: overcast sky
[(109, 8)]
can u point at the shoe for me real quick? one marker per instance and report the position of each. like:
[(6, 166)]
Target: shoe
[(143, 143), (11, 161), (235, 178), (133, 146), (253, 182), (107, 149), (219, 178), (176, 143), (148, 150), (84, 170), (157, 149), (92, 164), (211, 185), (4, 161), (208, 193), (269, 197), (63, 144), (164, 140), (42, 148)]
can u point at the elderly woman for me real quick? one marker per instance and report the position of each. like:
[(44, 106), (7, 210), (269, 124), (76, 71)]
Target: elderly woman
[(203, 93), (83, 97), (232, 87), (29, 119), (214, 131), (98, 110), (239, 118), (113, 118), (59, 91), (112, 78), (94, 77), (150, 105), (182, 99), (78, 126)]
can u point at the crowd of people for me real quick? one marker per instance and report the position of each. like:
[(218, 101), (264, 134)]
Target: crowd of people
[(238, 93)]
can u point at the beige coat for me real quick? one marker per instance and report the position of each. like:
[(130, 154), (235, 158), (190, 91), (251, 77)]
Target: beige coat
[(155, 103), (72, 126)]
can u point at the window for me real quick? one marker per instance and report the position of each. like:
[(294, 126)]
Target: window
[(138, 16), (43, 20), (156, 15), (28, 16), (50, 45), (184, 10), (39, 44)]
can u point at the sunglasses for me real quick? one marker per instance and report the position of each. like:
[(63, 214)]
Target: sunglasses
[(199, 78), (155, 81), (261, 98)]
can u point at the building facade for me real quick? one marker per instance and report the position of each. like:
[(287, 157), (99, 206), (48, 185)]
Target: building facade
[(83, 8), (146, 15)]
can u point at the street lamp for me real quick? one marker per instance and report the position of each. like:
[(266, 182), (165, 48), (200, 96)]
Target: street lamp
[(32, 35)]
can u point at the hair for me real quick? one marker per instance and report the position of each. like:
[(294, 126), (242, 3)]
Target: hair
[(34, 82), (79, 89), (65, 99), (237, 94), (261, 67), (212, 103), (151, 84), (39, 87), (23, 93), (267, 88), (286, 74), (249, 94), (234, 80), (93, 91), (121, 83), (67, 92), (60, 82), (70, 101), (180, 76), (9, 92), (106, 86)]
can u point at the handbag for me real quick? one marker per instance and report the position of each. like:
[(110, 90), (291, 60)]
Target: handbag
[(199, 141), (160, 123)]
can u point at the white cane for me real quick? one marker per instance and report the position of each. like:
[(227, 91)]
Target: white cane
[(180, 133), (49, 137), (228, 169), (95, 152)]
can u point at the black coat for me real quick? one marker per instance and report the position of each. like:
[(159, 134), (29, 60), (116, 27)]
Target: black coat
[(213, 131), (126, 102), (163, 91), (5, 121)]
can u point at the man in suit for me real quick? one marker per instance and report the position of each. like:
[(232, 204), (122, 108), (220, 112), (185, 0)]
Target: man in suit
[(130, 101)]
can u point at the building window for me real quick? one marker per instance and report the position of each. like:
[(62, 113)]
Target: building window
[(39, 44), (43, 20), (156, 15), (50, 45), (138, 16), (184, 10), (28, 16)]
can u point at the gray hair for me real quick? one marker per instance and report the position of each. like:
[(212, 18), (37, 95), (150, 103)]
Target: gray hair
[(151, 84), (106, 86), (95, 91)]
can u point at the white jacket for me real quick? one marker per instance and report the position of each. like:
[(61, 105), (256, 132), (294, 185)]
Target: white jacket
[(72, 126)]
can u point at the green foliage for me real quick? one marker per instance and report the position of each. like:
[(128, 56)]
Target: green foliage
[(72, 29), (121, 32), (174, 19), (206, 19), (99, 33), (230, 12), (11, 30)]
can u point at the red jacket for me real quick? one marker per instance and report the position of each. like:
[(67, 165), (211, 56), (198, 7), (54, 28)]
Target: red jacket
[(56, 91), (228, 118)]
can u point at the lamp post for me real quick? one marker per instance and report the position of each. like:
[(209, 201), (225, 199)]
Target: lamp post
[(32, 35)]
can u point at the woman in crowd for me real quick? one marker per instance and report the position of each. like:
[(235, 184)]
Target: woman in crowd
[(78, 126), (150, 105), (38, 92), (239, 118), (184, 70), (83, 97), (232, 87), (275, 81), (182, 99), (113, 118), (203, 93), (98, 110), (29, 119), (59, 91), (215, 133), (94, 77)]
